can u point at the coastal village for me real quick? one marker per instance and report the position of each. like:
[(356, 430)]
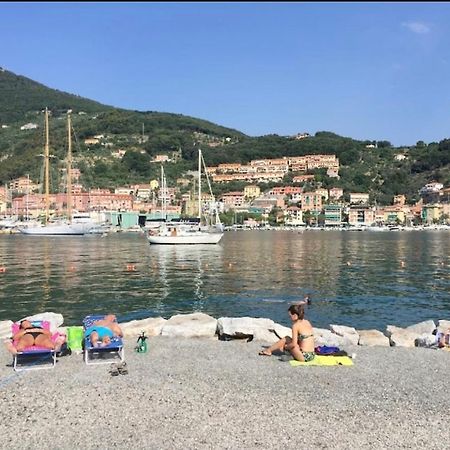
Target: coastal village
[(299, 203)]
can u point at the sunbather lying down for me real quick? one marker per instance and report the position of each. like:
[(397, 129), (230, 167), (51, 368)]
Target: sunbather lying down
[(29, 336), (102, 331)]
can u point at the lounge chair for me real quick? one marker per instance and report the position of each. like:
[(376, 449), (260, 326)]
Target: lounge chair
[(101, 354), (36, 357)]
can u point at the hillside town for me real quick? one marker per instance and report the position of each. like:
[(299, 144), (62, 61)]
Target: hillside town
[(294, 204)]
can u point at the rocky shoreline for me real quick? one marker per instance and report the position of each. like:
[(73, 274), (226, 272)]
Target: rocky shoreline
[(195, 325)]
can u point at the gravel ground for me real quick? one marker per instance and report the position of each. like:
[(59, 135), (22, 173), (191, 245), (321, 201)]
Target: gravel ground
[(208, 394)]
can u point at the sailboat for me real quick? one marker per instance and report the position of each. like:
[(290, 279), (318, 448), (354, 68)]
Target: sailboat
[(60, 228), (203, 232)]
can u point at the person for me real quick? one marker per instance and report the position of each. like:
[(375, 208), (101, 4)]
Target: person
[(444, 339), (30, 335), (301, 345), (306, 301), (102, 331)]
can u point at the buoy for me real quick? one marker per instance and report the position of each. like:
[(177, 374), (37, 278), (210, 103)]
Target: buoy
[(2, 269)]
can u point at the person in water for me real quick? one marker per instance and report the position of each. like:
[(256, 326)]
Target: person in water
[(301, 345), (306, 301), (102, 331), (30, 335)]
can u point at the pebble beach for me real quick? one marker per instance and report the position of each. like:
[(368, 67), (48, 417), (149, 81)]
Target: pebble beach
[(202, 393)]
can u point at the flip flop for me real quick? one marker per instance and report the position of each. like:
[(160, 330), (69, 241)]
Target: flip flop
[(114, 370), (122, 368), (264, 353)]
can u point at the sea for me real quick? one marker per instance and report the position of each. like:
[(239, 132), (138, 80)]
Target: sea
[(366, 280)]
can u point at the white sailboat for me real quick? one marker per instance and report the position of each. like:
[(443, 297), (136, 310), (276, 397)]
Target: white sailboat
[(60, 228), (203, 232)]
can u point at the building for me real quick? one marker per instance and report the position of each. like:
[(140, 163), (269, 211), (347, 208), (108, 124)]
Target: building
[(333, 215), (323, 193), (359, 198), (23, 185), (251, 191), (336, 193), (311, 201), (232, 200), (399, 200), (361, 215), (293, 215)]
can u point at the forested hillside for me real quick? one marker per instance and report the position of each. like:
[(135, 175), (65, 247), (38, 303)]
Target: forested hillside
[(141, 135)]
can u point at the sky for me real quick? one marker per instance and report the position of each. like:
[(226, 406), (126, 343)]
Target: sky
[(377, 71)]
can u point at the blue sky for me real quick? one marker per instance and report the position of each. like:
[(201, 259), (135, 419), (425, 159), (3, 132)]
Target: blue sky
[(365, 70)]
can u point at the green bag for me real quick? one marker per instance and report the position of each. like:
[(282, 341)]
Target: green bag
[(75, 338)]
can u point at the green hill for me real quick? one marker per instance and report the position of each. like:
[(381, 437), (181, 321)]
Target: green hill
[(141, 135)]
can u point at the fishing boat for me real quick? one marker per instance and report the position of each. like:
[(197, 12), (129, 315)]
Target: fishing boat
[(62, 227), (207, 230)]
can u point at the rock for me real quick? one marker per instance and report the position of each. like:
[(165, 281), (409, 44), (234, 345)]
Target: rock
[(402, 338), (443, 325), (326, 337), (426, 327), (348, 333), (190, 325), (391, 329), (5, 329), (56, 320), (152, 327), (372, 338), (237, 327), (282, 331)]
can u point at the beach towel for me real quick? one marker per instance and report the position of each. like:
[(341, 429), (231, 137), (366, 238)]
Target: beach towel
[(321, 360)]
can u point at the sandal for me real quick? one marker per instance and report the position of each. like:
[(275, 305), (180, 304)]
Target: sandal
[(114, 370), (264, 353), (122, 368)]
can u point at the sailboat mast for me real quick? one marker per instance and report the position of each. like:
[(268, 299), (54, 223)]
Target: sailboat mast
[(69, 169), (47, 169), (200, 184)]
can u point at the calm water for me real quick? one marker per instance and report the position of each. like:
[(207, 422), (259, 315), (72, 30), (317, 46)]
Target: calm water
[(355, 278)]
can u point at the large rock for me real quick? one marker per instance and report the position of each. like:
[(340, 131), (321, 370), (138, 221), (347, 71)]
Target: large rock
[(402, 338), (426, 327), (5, 329), (240, 327), (348, 333), (443, 325), (322, 336), (151, 326), (372, 338), (190, 325), (56, 320)]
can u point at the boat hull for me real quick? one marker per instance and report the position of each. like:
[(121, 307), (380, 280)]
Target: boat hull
[(55, 230), (200, 238)]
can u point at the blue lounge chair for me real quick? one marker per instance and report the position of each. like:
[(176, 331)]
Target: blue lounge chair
[(101, 354)]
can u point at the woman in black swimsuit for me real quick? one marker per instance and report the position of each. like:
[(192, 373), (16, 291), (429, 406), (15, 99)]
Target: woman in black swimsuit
[(28, 336)]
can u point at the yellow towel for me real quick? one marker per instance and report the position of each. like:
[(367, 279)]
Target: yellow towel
[(322, 360)]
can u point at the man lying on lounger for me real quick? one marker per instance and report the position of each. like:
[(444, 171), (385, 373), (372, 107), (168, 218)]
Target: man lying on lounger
[(101, 332)]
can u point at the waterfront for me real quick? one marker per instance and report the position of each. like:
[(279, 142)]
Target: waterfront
[(364, 279)]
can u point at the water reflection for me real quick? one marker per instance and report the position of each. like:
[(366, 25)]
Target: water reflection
[(363, 279)]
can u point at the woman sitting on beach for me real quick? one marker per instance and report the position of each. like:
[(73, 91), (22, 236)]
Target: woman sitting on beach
[(102, 331), (301, 345), (29, 336)]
